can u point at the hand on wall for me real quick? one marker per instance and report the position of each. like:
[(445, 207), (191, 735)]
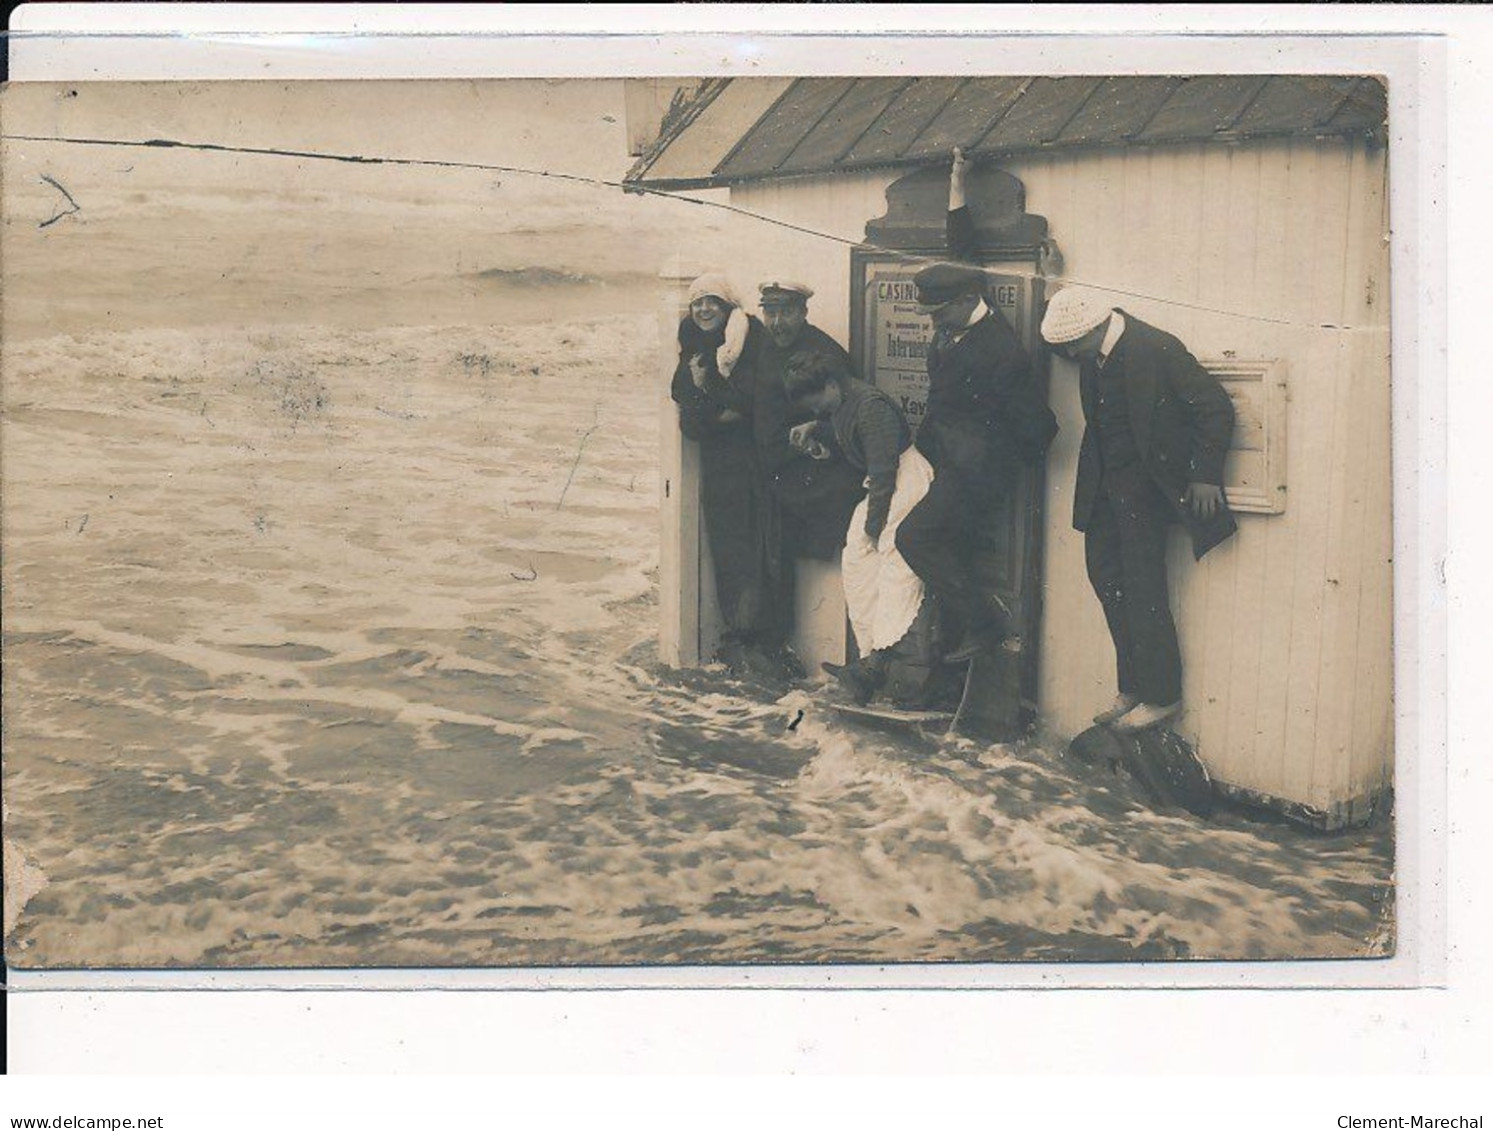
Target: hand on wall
[(1205, 499)]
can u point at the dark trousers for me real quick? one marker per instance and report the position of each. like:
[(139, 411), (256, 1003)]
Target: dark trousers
[(741, 521), (1125, 548), (817, 501), (938, 540)]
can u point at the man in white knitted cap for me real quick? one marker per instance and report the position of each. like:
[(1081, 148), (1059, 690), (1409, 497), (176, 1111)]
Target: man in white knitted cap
[(1157, 430)]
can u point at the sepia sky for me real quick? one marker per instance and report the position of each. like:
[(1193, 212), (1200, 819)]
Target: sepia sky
[(572, 126), (294, 233)]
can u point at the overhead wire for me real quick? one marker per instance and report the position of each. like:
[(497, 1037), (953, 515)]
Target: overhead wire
[(633, 188)]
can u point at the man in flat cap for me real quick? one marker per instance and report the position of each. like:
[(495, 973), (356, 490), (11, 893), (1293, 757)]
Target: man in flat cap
[(986, 416), (1157, 429), (816, 497)]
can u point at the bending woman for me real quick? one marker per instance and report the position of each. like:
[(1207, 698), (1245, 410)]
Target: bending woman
[(865, 426), (713, 386)]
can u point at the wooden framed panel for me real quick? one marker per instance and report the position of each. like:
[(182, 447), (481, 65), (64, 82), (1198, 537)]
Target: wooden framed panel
[(1255, 472)]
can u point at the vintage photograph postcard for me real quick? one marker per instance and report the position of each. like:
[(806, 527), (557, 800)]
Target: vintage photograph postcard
[(715, 522)]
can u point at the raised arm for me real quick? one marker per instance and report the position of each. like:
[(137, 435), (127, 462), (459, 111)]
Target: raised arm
[(960, 226)]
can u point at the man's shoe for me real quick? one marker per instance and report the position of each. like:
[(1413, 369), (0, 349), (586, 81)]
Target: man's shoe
[(1122, 705), (985, 640), (858, 684), (1144, 716), (993, 631)]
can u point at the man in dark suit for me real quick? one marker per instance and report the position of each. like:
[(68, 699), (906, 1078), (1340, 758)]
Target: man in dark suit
[(986, 415), (816, 497), (1157, 430)]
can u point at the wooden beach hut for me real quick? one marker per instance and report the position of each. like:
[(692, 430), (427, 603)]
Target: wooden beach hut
[(1246, 214)]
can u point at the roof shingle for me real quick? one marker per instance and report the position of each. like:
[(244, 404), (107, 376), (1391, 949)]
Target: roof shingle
[(823, 124)]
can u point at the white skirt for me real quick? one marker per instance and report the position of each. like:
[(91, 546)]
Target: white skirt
[(882, 594)]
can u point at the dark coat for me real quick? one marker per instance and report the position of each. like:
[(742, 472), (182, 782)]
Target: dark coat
[(986, 412), (817, 497), (1182, 421), (984, 381), (700, 409), (774, 414)]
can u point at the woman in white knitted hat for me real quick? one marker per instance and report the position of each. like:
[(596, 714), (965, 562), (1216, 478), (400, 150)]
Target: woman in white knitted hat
[(713, 386)]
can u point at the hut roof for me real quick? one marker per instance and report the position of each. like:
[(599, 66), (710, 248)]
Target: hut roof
[(736, 131)]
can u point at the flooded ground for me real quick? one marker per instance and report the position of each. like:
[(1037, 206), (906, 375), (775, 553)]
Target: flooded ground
[(334, 647)]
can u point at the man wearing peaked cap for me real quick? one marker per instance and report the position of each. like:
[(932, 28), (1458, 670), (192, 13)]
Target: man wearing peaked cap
[(1157, 430), (776, 291), (816, 497), (986, 415), (943, 283)]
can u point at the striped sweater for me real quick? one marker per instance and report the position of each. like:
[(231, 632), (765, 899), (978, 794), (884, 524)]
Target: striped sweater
[(870, 431)]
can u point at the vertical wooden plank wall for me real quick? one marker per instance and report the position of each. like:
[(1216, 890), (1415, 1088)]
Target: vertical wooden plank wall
[(1271, 250), (1361, 720), (837, 206), (683, 555)]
